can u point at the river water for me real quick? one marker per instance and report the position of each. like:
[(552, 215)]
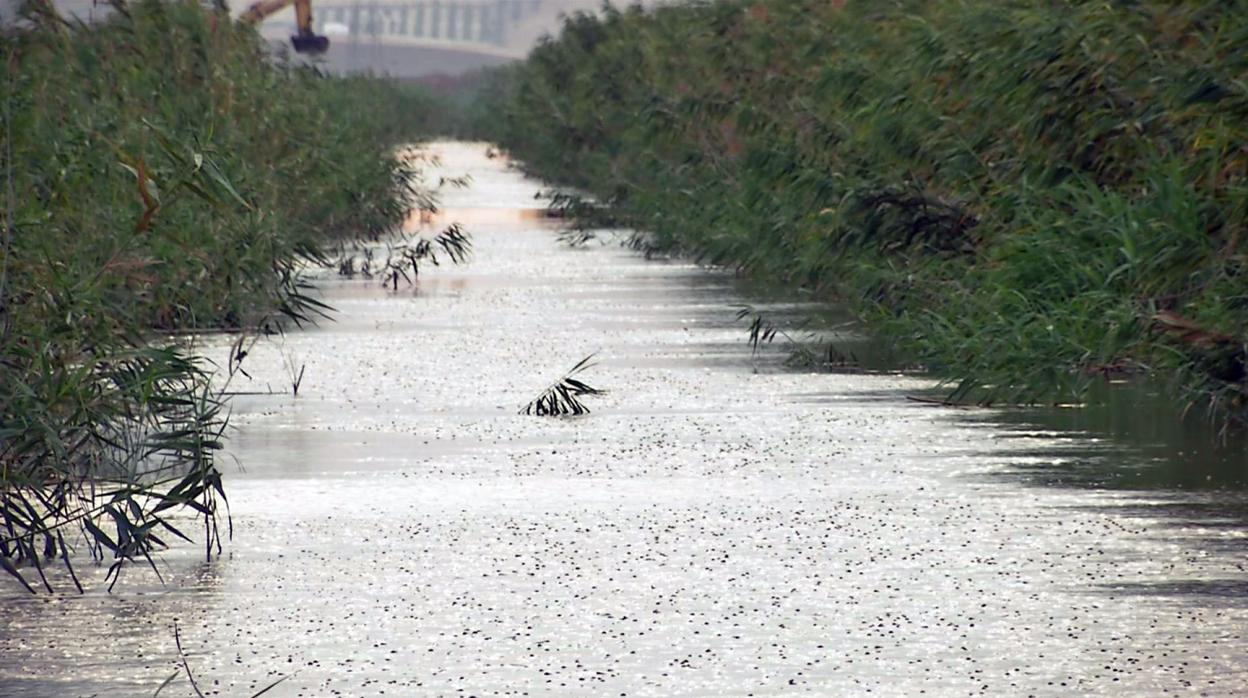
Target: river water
[(718, 525)]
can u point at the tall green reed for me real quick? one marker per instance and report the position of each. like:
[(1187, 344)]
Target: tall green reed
[(1026, 196), (165, 175)]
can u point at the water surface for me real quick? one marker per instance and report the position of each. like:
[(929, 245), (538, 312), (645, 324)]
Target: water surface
[(717, 525)]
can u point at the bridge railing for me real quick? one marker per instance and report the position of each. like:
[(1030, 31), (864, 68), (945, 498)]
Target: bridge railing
[(477, 21)]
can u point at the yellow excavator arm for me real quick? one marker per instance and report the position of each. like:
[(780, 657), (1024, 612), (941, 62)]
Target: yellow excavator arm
[(306, 40)]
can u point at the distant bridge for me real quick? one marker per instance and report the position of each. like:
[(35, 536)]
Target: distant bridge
[(483, 22), (409, 38), (404, 38)]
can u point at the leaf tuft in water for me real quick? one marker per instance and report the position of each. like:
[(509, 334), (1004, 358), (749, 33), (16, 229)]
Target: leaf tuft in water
[(563, 397)]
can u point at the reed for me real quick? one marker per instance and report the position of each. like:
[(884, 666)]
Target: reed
[(163, 175), (1026, 196)]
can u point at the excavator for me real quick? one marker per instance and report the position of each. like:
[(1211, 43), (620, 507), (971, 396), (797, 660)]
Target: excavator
[(306, 40)]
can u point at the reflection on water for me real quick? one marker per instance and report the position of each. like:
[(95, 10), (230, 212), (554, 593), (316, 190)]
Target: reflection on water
[(1176, 480), (1130, 437), (473, 217), (117, 642)]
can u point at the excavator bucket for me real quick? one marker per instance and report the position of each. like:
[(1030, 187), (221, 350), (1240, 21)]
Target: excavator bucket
[(306, 40), (310, 43)]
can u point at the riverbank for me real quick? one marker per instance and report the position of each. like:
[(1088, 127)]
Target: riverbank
[(163, 175), (1025, 199)]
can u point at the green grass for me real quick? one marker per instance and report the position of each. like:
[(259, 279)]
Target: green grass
[(1025, 196), (161, 175)]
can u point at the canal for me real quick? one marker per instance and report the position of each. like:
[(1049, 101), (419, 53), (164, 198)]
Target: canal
[(718, 525)]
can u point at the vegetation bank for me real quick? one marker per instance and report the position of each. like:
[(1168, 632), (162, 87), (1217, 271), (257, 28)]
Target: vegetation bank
[(1026, 197), (162, 175)]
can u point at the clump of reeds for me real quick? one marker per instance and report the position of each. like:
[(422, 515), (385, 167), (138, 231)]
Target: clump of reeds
[(161, 175), (563, 397), (404, 255)]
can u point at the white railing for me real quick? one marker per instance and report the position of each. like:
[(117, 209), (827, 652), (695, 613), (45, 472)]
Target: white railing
[(471, 21)]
